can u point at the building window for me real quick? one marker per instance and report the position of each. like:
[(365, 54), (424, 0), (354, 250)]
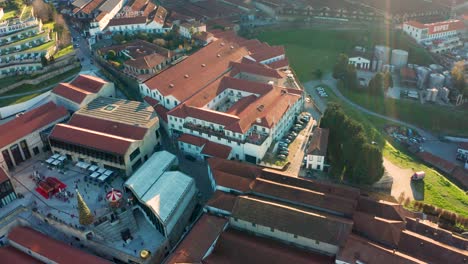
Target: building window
[(317, 242), (235, 219), (36, 150), (254, 225), (295, 236), (272, 229), (134, 154)]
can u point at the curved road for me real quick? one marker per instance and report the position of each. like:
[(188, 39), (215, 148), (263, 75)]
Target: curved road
[(433, 145)]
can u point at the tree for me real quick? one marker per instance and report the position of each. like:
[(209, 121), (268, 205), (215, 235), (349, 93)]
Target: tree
[(318, 74), (458, 76), (387, 81), (111, 54), (42, 10), (350, 77), (339, 69), (85, 216), (375, 86), (44, 60), (64, 36)]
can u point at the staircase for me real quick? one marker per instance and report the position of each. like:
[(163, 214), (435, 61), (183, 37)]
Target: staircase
[(110, 227)]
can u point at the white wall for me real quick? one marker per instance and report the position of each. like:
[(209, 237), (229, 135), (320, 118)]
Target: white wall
[(313, 161)]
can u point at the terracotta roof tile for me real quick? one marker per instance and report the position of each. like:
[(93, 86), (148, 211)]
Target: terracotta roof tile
[(319, 142), (127, 21), (304, 197), (279, 64), (378, 229), (268, 53), (198, 241), (296, 220), (381, 209), (433, 231), (146, 62), (256, 68), (91, 6), (362, 250), (192, 140), (463, 145), (461, 175), (70, 92), (108, 127), (429, 250), (440, 163), (12, 255), (222, 200), (90, 139), (30, 121), (151, 101), (235, 247), (216, 57), (213, 149), (52, 249), (89, 83)]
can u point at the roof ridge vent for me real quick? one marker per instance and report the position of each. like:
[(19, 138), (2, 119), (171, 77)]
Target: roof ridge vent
[(222, 43), (203, 65), (171, 85), (218, 55), (186, 76), (232, 47), (260, 108)]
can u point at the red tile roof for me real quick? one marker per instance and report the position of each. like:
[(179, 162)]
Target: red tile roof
[(222, 200), (255, 68), (51, 249), (429, 250), (3, 175), (291, 219), (463, 145), (461, 175), (361, 249), (381, 209), (79, 88), (378, 229), (90, 139), (234, 247), (12, 255), (268, 53), (108, 127), (199, 240), (213, 149), (70, 92), (91, 6), (415, 24), (440, 163), (303, 196), (189, 76), (127, 21), (30, 121), (192, 140), (146, 62), (319, 142), (151, 101)]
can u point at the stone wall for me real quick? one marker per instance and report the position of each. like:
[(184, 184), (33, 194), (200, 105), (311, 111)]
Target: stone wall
[(67, 63)]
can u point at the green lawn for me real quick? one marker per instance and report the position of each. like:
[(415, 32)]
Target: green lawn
[(436, 188), (8, 15), (30, 88), (311, 49), (439, 119), (67, 50)]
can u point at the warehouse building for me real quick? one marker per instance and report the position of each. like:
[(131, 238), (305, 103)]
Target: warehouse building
[(115, 134)]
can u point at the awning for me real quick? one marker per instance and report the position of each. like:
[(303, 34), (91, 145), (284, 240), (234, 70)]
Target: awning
[(114, 195), (93, 168), (56, 162), (62, 158), (94, 175), (50, 160), (55, 156), (102, 178), (101, 170), (108, 172)]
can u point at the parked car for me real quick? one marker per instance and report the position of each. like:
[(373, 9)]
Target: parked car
[(297, 129), (419, 175), (286, 153), (283, 144), (287, 140), (293, 133), (282, 157), (280, 148)]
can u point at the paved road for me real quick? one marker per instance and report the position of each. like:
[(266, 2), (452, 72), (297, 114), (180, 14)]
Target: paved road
[(446, 150)]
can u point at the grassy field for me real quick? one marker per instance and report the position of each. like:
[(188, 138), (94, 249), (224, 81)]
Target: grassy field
[(9, 14), (311, 49), (438, 119), (67, 50), (437, 189), (31, 88)]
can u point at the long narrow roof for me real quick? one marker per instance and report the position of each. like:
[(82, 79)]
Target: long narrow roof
[(51, 249), (91, 139), (299, 221), (80, 87), (197, 71), (30, 121), (12, 255)]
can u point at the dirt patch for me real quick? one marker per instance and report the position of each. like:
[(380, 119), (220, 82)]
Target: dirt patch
[(402, 185)]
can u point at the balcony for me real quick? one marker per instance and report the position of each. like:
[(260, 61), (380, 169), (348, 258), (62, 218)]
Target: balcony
[(252, 137)]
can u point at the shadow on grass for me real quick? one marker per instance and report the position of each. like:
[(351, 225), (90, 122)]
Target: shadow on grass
[(418, 190)]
